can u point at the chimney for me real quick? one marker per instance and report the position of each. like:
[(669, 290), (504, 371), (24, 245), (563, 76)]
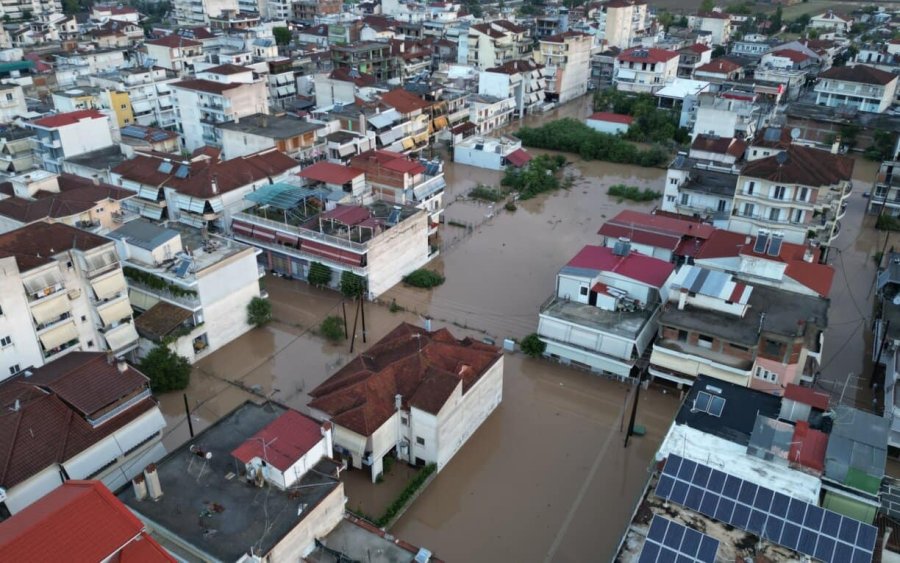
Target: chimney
[(110, 358), (140, 487), (682, 299), (121, 365), (237, 119), (808, 254), (154, 489), (96, 179), (214, 184), (836, 145)]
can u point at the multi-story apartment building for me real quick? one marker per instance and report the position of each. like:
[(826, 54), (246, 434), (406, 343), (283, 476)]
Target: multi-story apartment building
[(622, 22), (718, 24), (65, 135), (521, 80), (367, 57), (12, 102), (700, 187), (291, 135), (198, 12), (149, 93), (203, 283), (84, 416), (885, 197), (489, 113), (859, 87), (308, 11), (408, 127), (799, 192), (63, 291), (746, 334), (644, 70), (603, 313), (829, 21), (692, 57), (217, 95), (494, 43), (174, 52), (730, 114), (17, 149), (281, 80), (566, 58), (27, 10)]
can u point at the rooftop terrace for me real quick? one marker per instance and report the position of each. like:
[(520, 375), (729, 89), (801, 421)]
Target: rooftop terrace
[(627, 324)]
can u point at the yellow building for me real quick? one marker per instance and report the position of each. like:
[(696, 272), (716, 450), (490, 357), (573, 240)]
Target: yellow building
[(120, 103)]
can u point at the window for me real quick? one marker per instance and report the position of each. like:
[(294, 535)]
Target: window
[(704, 341), (779, 192), (682, 336), (90, 343), (124, 106), (83, 318), (1, 310), (404, 421), (766, 375), (5, 341), (673, 181), (670, 198), (14, 369), (685, 199), (722, 205), (9, 97), (803, 195), (750, 186), (748, 209), (584, 290), (774, 214), (69, 264), (773, 348), (420, 440)]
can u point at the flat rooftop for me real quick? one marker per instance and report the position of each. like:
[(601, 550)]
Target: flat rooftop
[(272, 126), (786, 314), (100, 159), (218, 512), (354, 540), (711, 182), (621, 323)]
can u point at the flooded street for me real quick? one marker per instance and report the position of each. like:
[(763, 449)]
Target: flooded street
[(546, 478)]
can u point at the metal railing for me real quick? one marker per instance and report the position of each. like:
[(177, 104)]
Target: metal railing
[(303, 232)]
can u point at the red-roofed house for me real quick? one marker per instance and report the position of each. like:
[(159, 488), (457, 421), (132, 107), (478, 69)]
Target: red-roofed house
[(644, 70), (419, 393), (66, 135), (286, 449), (612, 123), (719, 70), (656, 235), (603, 314), (336, 178), (79, 521)]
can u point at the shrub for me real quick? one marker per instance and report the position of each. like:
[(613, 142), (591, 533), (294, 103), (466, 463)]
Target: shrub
[(633, 193), (539, 176), (405, 495), (423, 278), (319, 274), (486, 193), (332, 328), (167, 370), (352, 285), (259, 311), (510, 206), (887, 223), (533, 346)]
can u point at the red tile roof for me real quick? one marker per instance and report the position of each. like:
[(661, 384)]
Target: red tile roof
[(699, 48), (719, 145), (389, 160), (70, 118), (35, 244), (78, 521), (561, 37), (642, 55), (208, 86), (227, 69), (174, 41), (802, 165), (330, 173), (612, 117), (76, 196), (403, 101), (286, 439), (808, 447), (515, 67), (346, 74), (652, 222), (519, 158), (423, 367), (719, 66), (795, 56), (645, 269), (860, 73), (347, 214), (228, 174), (807, 396)]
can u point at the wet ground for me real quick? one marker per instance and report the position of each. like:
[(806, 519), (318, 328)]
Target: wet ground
[(546, 477)]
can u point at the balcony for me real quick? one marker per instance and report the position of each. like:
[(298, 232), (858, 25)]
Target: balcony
[(36, 294), (39, 328)]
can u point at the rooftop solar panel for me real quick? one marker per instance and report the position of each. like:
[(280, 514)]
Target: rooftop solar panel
[(165, 167), (182, 171), (762, 239), (793, 523), (669, 541)]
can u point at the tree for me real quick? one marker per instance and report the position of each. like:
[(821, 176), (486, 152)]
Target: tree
[(707, 5), (533, 346), (332, 328), (282, 35), (352, 285), (319, 274), (665, 19), (167, 370), (719, 51), (259, 311), (776, 20)]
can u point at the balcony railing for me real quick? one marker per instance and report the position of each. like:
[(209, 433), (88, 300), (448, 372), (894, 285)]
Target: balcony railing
[(303, 232), (53, 322), (44, 292), (59, 349)]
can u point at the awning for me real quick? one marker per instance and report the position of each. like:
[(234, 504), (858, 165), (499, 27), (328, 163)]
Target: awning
[(148, 193), (346, 150), (196, 205), (151, 212), (41, 282), (141, 300), (53, 308), (56, 337), (216, 204), (163, 88), (440, 122), (518, 158), (192, 220), (141, 106), (115, 311), (626, 74), (121, 337), (109, 285), (408, 143)]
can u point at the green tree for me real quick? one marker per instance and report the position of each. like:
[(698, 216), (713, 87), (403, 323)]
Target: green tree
[(707, 5), (719, 51), (665, 19), (332, 328), (259, 311), (776, 20), (352, 285), (282, 35), (533, 346), (319, 274), (167, 370)]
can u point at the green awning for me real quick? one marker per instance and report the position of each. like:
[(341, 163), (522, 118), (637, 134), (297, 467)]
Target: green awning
[(849, 507), (284, 196), (861, 481)]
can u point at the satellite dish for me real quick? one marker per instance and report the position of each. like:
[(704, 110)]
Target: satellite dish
[(795, 133)]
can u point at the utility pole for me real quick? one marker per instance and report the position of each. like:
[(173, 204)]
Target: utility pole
[(353, 336), (362, 308), (187, 411), (634, 405), (344, 311)]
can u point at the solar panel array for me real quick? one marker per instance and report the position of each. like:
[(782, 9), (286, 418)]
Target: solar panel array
[(133, 131), (669, 541), (795, 524)]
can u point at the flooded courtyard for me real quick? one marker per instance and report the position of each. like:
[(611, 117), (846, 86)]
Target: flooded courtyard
[(546, 478)]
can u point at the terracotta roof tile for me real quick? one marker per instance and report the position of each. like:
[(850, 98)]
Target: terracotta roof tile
[(287, 439), (642, 55), (860, 73), (404, 101), (227, 69), (330, 173), (561, 37), (70, 118), (34, 245), (207, 86), (174, 41), (76, 196), (719, 66), (612, 117), (645, 269), (423, 367), (802, 165), (719, 145)]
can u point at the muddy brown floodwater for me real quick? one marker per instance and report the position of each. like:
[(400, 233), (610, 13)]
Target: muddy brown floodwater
[(546, 477)]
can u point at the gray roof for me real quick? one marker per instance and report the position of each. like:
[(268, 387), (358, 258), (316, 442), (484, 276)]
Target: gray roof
[(711, 182), (271, 126), (891, 272), (858, 440), (143, 234)]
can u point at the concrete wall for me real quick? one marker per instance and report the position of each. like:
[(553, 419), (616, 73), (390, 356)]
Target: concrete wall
[(85, 136), (224, 293), (478, 158), (606, 126), (397, 252), (318, 521), (236, 143), (16, 322), (691, 366), (589, 339)]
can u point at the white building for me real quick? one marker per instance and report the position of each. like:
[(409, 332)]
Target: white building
[(198, 12), (488, 113), (622, 22), (493, 153), (567, 65), (644, 70), (718, 24), (610, 123), (12, 102), (63, 291), (65, 135), (829, 21), (732, 115), (859, 87), (213, 279), (521, 80), (494, 43), (81, 417), (149, 90), (18, 10), (701, 186), (603, 314), (174, 52), (436, 408), (217, 95)]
